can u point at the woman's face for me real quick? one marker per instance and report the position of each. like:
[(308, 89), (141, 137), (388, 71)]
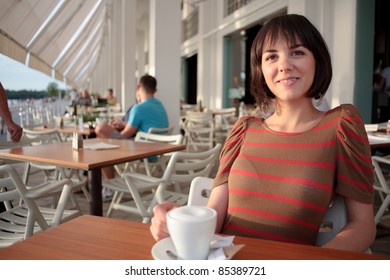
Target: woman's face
[(288, 71)]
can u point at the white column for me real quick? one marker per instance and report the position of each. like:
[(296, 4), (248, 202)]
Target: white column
[(117, 49), (110, 63), (141, 53), (129, 27), (164, 55)]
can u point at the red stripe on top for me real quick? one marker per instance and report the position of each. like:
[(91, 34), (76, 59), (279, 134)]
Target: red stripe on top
[(366, 159), (327, 125), (295, 162), (253, 130), (357, 184), (280, 198), (232, 143), (291, 145), (350, 118), (229, 157), (264, 234), (347, 160), (273, 216), (286, 179), (353, 134)]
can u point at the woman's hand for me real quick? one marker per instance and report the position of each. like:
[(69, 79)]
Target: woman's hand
[(159, 228)]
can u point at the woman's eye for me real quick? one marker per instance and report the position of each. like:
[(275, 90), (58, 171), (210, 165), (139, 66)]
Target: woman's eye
[(298, 52), (270, 57)]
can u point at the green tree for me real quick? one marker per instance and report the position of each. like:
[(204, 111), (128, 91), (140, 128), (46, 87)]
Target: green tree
[(52, 89)]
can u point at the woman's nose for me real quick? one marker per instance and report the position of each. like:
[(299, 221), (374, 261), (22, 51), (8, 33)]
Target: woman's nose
[(284, 64)]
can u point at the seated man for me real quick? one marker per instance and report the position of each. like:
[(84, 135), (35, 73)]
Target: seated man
[(149, 112)]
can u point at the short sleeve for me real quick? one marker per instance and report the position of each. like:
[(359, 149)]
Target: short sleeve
[(230, 150), (354, 165), (134, 119)]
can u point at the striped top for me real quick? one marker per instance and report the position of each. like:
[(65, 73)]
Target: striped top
[(280, 184)]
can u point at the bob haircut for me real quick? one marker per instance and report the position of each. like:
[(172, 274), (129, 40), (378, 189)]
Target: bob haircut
[(293, 29)]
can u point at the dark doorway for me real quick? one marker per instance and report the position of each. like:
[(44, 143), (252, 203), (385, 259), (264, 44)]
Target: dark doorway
[(191, 88), (380, 102)]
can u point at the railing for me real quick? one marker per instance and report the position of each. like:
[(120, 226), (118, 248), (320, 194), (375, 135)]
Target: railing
[(190, 25), (21, 107), (233, 5)]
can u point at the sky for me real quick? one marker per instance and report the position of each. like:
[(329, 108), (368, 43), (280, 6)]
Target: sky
[(16, 76)]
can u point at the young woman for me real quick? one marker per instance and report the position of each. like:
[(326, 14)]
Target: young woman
[(278, 176)]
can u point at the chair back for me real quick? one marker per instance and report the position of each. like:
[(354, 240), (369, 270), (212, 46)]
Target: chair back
[(161, 160), (199, 130), (334, 221), (185, 166), (381, 185), (162, 138), (200, 191), (39, 137), (166, 130), (182, 168), (20, 222)]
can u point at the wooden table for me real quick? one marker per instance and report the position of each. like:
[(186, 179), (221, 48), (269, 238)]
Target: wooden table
[(62, 154), (378, 142), (96, 238), (70, 129)]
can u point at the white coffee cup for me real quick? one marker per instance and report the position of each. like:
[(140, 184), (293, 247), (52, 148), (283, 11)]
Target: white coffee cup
[(192, 229)]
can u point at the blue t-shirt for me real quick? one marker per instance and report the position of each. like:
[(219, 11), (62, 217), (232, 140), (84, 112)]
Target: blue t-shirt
[(150, 113)]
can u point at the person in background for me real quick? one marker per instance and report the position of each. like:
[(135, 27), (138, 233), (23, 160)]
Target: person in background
[(385, 73), (278, 176), (236, 94), (149, 112), (111, 99), (73, 96), (85, 99), (14, 130)]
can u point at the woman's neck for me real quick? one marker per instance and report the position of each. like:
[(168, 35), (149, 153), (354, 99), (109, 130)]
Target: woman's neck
[(294, 118)]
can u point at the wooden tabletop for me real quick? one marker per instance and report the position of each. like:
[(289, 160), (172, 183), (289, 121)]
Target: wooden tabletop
[(75, 129), (62, 154), (97, 238)]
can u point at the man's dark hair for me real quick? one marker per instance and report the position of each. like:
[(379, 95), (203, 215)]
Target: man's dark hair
[(149, 83)]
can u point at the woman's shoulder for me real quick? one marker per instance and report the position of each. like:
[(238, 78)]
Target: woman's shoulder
[(345, 110), (248, 121)]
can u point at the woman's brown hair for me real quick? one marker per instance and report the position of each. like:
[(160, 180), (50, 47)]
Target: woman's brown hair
[(291, 28)]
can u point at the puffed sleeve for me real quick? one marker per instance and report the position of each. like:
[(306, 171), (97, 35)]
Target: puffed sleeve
[(230, 150), (354, 166)]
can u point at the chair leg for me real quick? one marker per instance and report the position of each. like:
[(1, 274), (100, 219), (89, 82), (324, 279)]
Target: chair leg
[(113, 202), (382, 209)]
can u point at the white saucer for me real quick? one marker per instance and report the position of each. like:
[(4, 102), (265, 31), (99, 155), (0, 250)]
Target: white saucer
[(159, 250)]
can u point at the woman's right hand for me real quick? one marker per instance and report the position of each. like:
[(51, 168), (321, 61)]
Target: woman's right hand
[(159, 228)]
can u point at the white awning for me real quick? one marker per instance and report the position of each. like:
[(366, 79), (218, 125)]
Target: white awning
[(61, 38)]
